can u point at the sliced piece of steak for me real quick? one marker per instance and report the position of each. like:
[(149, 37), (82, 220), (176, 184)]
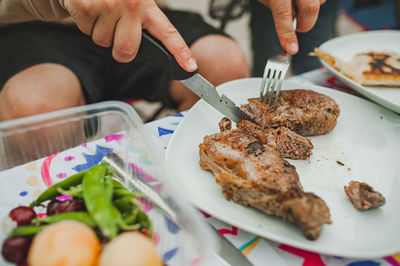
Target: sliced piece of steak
[(305, 112), (288, 143), (363, 196)]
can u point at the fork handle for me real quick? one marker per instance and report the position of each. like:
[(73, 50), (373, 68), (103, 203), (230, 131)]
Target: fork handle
[(152, 50)]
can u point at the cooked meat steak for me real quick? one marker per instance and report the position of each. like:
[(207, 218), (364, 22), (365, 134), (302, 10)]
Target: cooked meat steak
[(288, 143), (248, 166), (305, 112), (363, 196)]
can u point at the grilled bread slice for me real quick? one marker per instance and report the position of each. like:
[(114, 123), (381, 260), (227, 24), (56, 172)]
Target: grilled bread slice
[(373, 68)]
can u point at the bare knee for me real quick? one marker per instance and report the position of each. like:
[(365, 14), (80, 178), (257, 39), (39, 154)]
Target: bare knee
[(39, 89), (220, 59)]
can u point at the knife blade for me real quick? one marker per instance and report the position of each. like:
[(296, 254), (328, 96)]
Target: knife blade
[(154, 51), (227, 254), (209, 94)]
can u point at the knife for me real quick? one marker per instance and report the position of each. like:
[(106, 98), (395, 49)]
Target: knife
[(152, 50), (227, 253)]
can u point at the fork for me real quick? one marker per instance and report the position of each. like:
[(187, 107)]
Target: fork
[(274, 74)]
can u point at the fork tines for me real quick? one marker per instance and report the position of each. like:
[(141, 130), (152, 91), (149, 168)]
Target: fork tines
[(272, 81), (274, 74), (271, 85)]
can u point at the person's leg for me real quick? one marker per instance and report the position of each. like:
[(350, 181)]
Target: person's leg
[(220, 59), (38, 89), (47, 67)]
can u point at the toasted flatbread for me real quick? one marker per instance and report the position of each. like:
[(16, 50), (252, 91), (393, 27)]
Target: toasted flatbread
[(371, 68)]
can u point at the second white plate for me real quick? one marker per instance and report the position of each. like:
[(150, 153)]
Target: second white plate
[(366, 141), (347, 46)]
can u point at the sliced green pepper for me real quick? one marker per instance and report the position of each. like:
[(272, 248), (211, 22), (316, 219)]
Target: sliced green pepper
[(27, 230), (83, 217), (101, 209), (52, 191)]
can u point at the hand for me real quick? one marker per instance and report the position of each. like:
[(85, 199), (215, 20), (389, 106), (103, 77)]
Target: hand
[(282, 12), (119, 23)]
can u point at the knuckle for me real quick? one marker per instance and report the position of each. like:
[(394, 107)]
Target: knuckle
[(108, 5), (132, 5), (171, 30), (183, 51), (123, 54), (85, 7), (147, 15), (149, 4), (313, 7), (283, 12)]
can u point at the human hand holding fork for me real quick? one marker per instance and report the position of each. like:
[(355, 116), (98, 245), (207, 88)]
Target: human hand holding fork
[(274, 74), (286, 14)]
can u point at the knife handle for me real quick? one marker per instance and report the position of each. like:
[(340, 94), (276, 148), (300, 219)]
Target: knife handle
[(152, 50)]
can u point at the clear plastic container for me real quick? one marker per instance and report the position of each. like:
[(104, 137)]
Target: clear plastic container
[(40, 150)]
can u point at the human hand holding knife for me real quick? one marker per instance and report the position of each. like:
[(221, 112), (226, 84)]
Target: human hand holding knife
[(154, 51)]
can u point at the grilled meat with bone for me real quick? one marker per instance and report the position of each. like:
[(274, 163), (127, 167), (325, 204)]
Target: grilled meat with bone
[(303, 111), (247, 163)]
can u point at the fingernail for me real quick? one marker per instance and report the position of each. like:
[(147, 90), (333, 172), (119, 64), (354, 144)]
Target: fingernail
[(293, 47), (191, 64)]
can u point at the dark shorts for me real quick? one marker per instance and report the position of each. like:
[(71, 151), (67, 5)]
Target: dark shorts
[(26, 44)]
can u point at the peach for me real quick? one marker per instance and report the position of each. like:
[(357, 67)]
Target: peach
[(130, 248), (65, 243)]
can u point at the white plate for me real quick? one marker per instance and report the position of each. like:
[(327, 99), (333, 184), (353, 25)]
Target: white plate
[(345, 47), (366, 140)]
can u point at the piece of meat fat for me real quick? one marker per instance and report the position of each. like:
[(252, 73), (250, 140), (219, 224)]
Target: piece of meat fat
[(363, 196), (225, 124)]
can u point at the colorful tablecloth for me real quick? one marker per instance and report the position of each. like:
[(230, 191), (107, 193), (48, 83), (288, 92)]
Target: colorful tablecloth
[(22, 184), (258, 250)]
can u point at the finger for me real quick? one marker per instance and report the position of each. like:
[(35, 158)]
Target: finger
[(103, 30), (282, 13), (307, 14), (84, 14), (127, 37), (158, 25)]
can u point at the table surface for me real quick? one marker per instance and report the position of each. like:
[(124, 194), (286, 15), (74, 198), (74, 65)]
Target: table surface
[(42, 173), (258, 250)]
